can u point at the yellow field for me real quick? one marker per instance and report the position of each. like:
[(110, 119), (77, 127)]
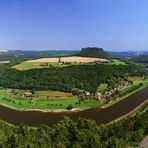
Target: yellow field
[(45, 62), (53, 94), (69, 59)]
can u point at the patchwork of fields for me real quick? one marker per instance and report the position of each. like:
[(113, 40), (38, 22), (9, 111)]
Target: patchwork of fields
[(69, 59), (44, 100), (63, 61)]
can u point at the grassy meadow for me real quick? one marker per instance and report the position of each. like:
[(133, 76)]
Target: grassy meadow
[(117, 62), (33, 65), (44, 101)]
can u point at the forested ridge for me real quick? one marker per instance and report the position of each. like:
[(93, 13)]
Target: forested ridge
[(140, 59), (85, 133), (86, 77), (10, 57), (41, 54)]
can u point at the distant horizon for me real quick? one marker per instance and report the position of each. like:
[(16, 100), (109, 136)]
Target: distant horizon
[(5, 50)]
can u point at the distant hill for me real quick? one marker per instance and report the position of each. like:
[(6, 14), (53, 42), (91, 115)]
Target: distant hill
[(32, 54), (128, 54), (140, 59), (94, 52)]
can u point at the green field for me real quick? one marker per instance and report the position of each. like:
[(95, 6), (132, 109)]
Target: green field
[(117, 62), (51, 103), (33, 65)]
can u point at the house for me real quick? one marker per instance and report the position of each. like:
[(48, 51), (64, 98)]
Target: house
[(98, 95), (87, 93)]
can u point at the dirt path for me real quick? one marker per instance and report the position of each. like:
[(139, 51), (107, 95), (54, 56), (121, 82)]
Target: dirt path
[(144, 143)]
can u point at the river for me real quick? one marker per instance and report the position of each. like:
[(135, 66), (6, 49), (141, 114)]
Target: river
[(100, 115)]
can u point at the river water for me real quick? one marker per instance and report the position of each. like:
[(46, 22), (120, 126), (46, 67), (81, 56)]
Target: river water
[(100, 115)]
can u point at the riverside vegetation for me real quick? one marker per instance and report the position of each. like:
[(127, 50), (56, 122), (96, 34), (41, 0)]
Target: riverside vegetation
[(84, 133)]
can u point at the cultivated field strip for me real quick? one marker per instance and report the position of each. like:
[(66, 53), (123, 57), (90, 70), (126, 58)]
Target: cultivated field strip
[(69, 59)]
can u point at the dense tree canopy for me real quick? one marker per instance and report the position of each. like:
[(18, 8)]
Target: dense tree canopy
[(140, 59), (86, 77), (84, 133)]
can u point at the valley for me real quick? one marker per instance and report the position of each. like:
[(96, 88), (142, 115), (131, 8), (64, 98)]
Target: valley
[(53, 90), (119, 110), (73, 74)]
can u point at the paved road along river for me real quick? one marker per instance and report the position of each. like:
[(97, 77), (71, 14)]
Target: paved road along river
[(35, 118)]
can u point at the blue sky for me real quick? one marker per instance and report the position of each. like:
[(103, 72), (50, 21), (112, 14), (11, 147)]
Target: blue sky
[(73, 24)]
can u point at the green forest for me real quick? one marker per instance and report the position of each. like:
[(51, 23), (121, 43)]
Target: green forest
[(85, 77), (84, 133), (140, 59)]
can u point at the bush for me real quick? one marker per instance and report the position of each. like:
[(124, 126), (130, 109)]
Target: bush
[(69, 107)]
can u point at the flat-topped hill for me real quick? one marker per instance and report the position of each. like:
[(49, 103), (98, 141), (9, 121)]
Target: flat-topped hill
[(94, 52)]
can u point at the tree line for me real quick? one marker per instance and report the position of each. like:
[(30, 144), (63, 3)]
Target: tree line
[(85, 77)]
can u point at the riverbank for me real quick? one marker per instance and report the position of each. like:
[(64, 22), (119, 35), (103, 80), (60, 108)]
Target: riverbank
[(36, 118), (131, 113), (44, 110), (16, 100), (112, 102), (47, 101)]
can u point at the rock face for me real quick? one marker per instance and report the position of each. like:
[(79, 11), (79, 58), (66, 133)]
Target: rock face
[(94, 52)]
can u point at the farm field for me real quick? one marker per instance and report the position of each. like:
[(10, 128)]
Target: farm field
[(43, 102), (63, 61), (53, 94), (32, 65), (117, 62), (69, 59)]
